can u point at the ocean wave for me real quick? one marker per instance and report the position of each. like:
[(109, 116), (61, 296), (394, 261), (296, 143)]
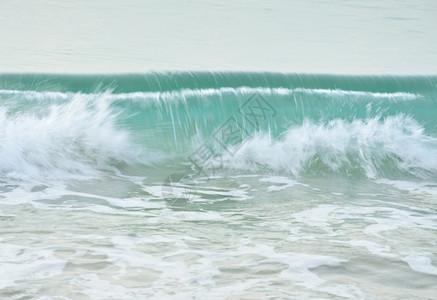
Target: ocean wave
[(378, 127), (70, 140), (377, 147)]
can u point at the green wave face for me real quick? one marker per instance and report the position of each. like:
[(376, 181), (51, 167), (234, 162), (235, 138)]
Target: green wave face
[(296, 124)]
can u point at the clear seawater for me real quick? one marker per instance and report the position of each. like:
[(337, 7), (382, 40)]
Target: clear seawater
[(218, 184)]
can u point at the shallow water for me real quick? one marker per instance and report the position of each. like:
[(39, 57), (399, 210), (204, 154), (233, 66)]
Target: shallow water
[(241, 237)]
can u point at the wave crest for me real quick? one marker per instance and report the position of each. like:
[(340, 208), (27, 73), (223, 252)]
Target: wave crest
[(69, 139), (376, 147)]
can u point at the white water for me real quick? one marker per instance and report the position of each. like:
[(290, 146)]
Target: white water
[(239, 236), (373, 147), (61, 142), (182, 94)]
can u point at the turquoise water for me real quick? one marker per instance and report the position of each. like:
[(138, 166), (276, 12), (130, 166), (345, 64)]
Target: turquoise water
[(218, 185)]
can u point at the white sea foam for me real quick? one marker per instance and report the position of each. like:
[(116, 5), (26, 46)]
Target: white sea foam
[(282, 183), (317, 217), (420, 263), (417, 187), (71, 140), (31, 263), (375, 147), (205, 92), (372, 247), (344, 93)]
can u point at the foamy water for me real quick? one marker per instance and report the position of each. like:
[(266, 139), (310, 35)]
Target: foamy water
[(205, 185)]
